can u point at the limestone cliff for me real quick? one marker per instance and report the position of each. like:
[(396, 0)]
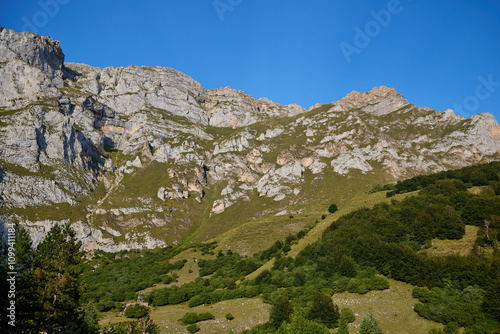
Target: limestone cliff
[(141, 157)]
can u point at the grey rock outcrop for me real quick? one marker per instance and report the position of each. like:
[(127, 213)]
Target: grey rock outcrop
[(146, 153)]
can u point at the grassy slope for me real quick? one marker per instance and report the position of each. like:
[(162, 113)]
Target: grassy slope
[(393, 308), (461, 247)]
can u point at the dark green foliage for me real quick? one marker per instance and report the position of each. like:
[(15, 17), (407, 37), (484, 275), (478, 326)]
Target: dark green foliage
[(451, 328), (347, 266), (343, 329), (228, 266), (47, 290), (229, 316), (141, 326), (479, 175), (90, 320), (23, 249), (136, 311), (452, 306), (333, 208), (192, 318), (280, 311), (299, 276), (205, 316), (323, 216), (264, 277), (300, 325), (201, 291), (347, 315), (193, 328), (369, 325), (324, 311), (491, 301), (52, 291), (117, 277)]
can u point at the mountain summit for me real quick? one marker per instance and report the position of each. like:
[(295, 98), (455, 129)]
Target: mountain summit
[(141, 157)]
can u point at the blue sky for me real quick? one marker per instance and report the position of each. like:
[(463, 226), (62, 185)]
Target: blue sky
[(440, 54)]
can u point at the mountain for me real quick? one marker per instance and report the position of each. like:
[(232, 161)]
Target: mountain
[(142, 157)]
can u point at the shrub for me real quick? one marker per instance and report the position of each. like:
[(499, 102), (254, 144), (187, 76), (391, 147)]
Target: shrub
[(205, 316), (229, 316), (190, 318), (136, 311), (333, 208), (347, 315), (167, 279), (195, 301), (193, 328), (323, 216)]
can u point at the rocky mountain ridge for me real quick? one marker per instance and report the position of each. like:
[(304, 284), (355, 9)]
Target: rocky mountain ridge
[(141, 157)]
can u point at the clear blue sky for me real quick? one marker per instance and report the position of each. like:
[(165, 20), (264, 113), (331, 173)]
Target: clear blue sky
[(438, 54)]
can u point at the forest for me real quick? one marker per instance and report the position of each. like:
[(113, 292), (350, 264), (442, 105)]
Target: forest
[(59, 288)]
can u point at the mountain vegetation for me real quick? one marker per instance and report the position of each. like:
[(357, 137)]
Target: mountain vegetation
[(354, 254)]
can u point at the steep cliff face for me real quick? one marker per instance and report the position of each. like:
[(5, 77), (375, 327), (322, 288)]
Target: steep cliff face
[(141, 157)]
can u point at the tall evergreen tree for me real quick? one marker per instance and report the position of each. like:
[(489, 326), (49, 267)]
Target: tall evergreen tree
[(54, 268)]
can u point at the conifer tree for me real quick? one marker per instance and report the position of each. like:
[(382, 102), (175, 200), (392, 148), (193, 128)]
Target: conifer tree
[(54, 267)]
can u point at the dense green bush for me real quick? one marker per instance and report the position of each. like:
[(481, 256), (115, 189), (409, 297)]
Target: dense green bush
[(192, 318), (136, 311), (333, 208), (193, 328), (118, 277)]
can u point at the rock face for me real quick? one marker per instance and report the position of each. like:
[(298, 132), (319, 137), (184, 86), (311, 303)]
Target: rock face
[(140, 157)]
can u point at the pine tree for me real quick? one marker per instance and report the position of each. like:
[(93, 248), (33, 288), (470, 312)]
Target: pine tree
[(28, 301), (54, 266), (23, 249)]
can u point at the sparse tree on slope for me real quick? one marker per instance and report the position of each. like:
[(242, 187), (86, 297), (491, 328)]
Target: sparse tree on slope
[(370, 326)]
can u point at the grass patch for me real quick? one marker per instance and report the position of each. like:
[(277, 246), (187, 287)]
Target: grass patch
[(393, 308), (448, 247)]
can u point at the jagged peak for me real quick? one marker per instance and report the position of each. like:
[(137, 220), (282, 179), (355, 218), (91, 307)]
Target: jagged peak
[(379, 101), (42, 52)]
